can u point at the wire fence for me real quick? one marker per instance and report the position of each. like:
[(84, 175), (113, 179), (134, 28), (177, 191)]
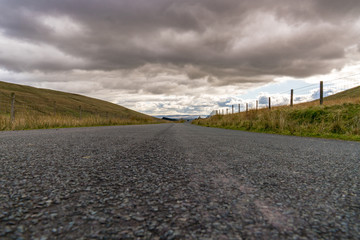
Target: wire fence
[(316, 93)]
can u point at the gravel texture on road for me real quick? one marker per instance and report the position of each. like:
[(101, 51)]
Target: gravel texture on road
[(176, 181)]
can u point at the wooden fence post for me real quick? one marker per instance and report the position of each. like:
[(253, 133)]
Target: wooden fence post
[(12, 113), (292, 98), (321, 92), (239, 107), (232, 111), (257, 104), (80, 112), (269, 102), (247, 107), (227, 111), (54, 108)]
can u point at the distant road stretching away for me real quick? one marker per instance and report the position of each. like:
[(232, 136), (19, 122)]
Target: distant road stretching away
[(176, 181)]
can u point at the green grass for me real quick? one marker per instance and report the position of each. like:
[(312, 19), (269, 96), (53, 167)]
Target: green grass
[(338, 118), (37, 108)]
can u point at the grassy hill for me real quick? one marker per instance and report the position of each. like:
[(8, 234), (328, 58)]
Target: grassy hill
[(338, 117), (351, 94), (44, 108)]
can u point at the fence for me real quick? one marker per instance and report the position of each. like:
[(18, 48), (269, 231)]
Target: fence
[(310, 93)]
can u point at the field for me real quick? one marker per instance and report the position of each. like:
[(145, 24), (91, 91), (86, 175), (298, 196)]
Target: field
[(338, 117), (42, 108)]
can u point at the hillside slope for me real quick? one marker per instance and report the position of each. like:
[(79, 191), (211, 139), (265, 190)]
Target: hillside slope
[(353, 93), (44, 108), (339, 118)]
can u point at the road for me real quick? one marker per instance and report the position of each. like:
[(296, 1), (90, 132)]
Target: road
[(176, 181)]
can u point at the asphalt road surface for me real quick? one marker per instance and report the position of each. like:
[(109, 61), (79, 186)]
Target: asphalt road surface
[(176, 181)]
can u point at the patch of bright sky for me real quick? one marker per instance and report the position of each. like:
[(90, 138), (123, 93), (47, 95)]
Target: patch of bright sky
[(62, 25), (347, 77), (281, 85)]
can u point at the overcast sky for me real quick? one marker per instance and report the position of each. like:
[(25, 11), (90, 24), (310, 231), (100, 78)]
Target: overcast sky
[(174, 56)]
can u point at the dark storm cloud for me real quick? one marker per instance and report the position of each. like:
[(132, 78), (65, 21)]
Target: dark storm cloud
[(228, 41)]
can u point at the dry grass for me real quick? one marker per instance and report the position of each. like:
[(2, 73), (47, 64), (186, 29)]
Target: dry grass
[(330, 102), (28, 121)]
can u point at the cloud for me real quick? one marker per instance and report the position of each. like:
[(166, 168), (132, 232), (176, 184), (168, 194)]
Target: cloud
[(175, 48), (305, 38), (263, 100), (22, 56)]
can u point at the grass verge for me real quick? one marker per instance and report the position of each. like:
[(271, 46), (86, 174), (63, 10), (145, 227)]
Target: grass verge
[(336, 120), (31, 121)]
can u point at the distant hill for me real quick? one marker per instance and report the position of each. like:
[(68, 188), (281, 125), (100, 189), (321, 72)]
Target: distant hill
[(170, 119), (43, 108), (180, 117)]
